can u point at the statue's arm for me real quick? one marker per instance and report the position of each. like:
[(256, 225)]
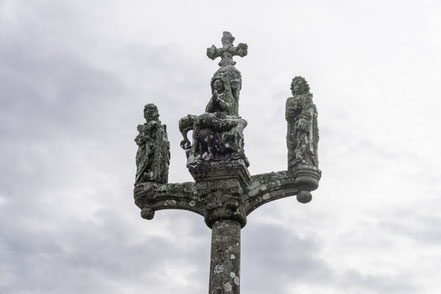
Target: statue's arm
[(290, 109), (138, 140), (141, 138), (223, 103), (210, 105), (153, 126)]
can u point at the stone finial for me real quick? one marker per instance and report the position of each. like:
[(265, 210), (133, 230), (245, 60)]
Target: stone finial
[(227, 51)]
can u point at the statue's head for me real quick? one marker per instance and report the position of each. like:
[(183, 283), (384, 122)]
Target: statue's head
[(220, 84), (151, 112), (299, 86)]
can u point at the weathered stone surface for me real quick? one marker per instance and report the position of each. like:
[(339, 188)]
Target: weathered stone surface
[(223, 200), (219, 170), (272, 186), (307, 177), (153, 156), (215, 138), (225, 258), (227, 51), (222, 100), (301, 115), (150, 197), (234, 79)]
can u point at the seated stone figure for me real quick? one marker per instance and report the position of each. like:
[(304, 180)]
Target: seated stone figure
[(218, 133), (222, 101), (215, 137), (153, 155), (302, 136)]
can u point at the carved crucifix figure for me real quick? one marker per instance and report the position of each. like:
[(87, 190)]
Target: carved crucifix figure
[(223, 191)]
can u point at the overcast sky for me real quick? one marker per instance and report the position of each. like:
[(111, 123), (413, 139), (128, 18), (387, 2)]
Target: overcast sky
[(75, 75)]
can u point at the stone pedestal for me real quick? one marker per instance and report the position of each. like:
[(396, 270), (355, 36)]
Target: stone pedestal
[(221, 187)]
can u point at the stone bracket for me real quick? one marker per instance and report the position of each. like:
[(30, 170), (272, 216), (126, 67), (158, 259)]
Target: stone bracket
[(150, 197), (230, 195), (264, 188)]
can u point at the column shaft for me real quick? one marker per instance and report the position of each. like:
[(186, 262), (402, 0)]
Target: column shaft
[(225, 258)]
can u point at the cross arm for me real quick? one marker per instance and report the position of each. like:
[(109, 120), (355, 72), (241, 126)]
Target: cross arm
[(150, 197), (264, 188), (214, 52), (240, 50)]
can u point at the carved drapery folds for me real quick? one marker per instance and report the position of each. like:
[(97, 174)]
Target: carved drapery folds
[(302, 136), (215, 138), (153, 155), (302, 139)]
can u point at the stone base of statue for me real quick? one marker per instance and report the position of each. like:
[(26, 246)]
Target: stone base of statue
[(221, 185), (307, 179), (220, 170), (218, 164)]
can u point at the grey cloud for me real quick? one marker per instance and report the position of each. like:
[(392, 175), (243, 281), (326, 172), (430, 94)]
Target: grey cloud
[(277, 257), (371, 283), (422, 224), (64, 126), (93, 256)]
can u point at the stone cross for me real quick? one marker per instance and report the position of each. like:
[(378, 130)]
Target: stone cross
[(223, 191), (227, 51)]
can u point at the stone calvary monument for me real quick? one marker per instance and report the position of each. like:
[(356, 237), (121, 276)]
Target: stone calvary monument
[(223, 191)]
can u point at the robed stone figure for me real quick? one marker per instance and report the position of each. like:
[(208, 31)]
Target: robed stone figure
[(153, 156), (302, 136)]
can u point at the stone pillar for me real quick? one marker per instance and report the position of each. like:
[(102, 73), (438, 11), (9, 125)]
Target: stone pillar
[(225, 257), (221, 186)]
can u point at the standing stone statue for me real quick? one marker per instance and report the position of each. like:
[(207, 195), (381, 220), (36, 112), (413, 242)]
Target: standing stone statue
[(153, 156), (301, 115)]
